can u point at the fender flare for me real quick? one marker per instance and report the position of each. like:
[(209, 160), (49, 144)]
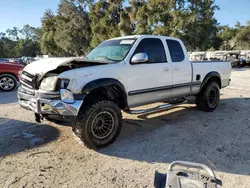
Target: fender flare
[(210, 75), (105, 82)]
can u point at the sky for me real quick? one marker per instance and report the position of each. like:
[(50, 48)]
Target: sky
[(21, 12)]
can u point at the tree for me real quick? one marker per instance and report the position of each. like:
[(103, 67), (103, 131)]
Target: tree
[(227, 37), (234, 38), (105, 20), (1, 49), (167, 17), (80, 25), (13, 34), (8, 46), (201, 28), (29, 32), (47, 40), (2, 35), (73, 28), (139, 16), (27, 47), (126, 26), (243, 37)]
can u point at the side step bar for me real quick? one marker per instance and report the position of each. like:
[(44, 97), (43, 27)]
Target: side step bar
[(157, 108)]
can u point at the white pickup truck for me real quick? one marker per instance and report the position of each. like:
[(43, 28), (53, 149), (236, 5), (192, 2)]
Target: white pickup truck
[(119, 74)]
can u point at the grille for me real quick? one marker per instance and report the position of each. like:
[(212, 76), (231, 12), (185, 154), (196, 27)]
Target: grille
[(26, 90), (28, 80)]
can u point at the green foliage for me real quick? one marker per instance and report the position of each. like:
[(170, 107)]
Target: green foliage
[(26, 47), (47, 39), (18, 43), (13, 33), (105, 19), (80, 25), (243, 37), (126, 26), (201, 27), (227, 36), (236, 38), (73, 28), (1, 49), (163, 17)]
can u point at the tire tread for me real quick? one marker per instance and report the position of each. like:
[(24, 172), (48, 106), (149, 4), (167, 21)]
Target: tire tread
[(82, 118), (201, 100)]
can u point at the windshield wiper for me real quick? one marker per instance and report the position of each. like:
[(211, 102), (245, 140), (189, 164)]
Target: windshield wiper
[(109, 59)]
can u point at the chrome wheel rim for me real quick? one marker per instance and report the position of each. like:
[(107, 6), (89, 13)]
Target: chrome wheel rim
[(102, 125), (7, 83)]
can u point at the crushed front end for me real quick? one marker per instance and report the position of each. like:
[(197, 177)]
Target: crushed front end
[(48, 97)]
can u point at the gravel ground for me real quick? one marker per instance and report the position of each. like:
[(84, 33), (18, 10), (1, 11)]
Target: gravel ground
[(48, 155)]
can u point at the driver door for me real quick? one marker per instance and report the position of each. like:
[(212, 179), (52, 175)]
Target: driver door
[(150, 81)]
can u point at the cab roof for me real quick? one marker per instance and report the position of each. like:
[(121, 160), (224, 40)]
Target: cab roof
[(142, 36)]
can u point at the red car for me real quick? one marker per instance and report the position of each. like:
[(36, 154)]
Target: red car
[(9, 76)]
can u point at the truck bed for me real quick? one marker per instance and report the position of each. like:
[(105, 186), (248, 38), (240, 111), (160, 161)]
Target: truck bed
[(202, 68)]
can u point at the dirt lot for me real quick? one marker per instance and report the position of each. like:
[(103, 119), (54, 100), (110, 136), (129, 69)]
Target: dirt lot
[(48, 155)]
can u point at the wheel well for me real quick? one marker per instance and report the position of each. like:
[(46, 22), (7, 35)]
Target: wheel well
[(112, 92), (9, 73), (213, 79)]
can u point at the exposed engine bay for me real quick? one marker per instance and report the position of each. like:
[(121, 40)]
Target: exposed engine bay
[(49, 70), (74, 65)]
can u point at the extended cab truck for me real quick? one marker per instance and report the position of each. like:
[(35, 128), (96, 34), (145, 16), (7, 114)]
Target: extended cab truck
[(119, 74)]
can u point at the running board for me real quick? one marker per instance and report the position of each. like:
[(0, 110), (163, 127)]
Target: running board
[(157, 108)]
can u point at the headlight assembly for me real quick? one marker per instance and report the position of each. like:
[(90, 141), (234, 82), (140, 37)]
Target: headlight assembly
[(49, 83)]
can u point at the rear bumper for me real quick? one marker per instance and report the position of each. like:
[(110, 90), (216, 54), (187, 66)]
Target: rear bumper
[(225, 82), (48, 105)]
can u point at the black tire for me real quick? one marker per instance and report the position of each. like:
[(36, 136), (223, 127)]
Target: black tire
[(91, 121), (209, 98), (7, 82)]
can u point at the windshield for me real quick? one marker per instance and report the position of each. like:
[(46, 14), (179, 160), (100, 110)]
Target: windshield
[(111, 50)]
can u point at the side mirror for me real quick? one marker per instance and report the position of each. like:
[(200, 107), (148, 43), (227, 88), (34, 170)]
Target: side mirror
[(139, 58)]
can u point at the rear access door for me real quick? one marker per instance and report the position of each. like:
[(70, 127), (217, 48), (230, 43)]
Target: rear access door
[(182, 69)]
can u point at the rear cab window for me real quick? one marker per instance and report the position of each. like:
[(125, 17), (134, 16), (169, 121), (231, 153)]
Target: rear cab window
[(175, 50), (154, 48)]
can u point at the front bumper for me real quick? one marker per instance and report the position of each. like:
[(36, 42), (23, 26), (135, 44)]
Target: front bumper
[(48, 105)]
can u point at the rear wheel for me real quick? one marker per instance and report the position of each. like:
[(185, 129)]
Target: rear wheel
[(208, 99), (7, 82), (99, 124)]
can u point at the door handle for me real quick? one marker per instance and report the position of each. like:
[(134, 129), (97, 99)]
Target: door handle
[(166, 69), (176, 69)]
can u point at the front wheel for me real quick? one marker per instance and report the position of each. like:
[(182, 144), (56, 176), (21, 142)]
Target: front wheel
[(99, 124), (209, 98)]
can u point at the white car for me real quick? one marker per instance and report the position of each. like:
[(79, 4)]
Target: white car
[(119, 74)]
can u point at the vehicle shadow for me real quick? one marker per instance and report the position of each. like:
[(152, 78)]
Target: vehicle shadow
[(8, 97), (219, 139), (17, 136)]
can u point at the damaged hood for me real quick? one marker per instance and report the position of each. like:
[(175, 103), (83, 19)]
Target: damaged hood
[(42, 66)]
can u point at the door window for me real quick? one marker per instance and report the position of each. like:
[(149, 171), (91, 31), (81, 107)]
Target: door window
[(154, 48)]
